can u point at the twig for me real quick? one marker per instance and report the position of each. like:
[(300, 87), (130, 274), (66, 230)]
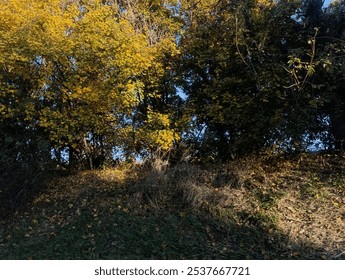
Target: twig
[(339, 255)]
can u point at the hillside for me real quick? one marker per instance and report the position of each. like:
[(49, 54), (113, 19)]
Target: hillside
[(270, 208)]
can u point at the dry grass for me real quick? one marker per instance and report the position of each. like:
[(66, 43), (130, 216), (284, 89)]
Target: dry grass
[(254, 208), (302, 198)]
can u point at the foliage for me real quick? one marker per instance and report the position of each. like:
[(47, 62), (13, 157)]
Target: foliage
[(235, 76), (257, 72), (215, 79), (79, 70), (86, 84)]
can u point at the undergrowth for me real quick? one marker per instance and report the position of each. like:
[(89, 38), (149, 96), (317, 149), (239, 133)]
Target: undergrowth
[(248, 209)]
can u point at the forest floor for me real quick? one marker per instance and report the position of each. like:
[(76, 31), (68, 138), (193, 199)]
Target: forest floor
[(269, 208)]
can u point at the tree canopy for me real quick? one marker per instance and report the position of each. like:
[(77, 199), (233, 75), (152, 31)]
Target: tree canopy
[(219, 79)]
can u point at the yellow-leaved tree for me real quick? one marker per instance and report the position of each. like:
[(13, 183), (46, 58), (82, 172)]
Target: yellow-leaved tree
[(83, 71), (157, 122)]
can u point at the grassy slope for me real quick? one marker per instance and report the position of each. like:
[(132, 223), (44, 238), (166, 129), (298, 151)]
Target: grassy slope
[(262, 209)]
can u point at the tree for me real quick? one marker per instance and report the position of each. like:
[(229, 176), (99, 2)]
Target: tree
[(328, 69), (334, 52), (157, 121), (85, 67), (235, 53)]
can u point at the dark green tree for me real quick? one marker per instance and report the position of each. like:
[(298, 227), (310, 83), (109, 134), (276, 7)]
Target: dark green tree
[(235, 59)]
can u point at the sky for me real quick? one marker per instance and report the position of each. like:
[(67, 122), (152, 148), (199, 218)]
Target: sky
[(327, 2)]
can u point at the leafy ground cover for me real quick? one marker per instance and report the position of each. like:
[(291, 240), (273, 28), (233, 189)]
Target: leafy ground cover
[(250, 209)]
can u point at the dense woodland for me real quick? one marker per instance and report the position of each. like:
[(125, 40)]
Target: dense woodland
[(213, 84), (85, 82)]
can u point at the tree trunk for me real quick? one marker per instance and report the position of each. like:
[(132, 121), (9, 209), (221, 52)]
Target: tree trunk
[(338, 130)]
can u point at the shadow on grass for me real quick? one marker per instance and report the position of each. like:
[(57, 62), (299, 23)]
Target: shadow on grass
[(95, 218)]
